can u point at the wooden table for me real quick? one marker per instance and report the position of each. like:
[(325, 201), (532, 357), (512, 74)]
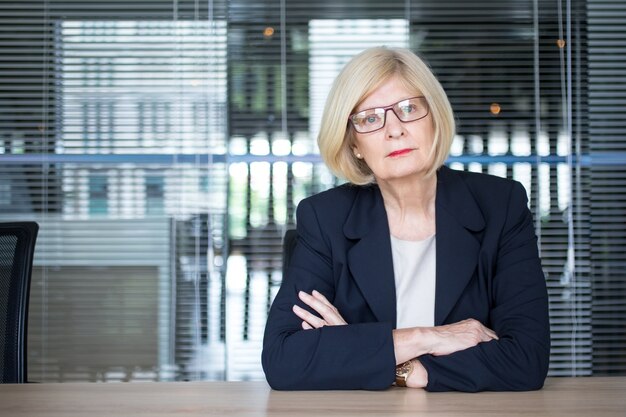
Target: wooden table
[(595, 397)]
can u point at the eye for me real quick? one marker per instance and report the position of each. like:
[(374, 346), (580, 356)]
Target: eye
[(408, 108), (367, 119), (371, 119)]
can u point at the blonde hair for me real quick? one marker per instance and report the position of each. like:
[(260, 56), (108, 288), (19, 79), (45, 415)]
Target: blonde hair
[(357, 80)]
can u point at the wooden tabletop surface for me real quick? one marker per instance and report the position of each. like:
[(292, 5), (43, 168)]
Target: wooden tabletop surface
[(589, 397)]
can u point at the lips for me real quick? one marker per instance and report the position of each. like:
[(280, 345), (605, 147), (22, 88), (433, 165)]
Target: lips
[(400, 152)]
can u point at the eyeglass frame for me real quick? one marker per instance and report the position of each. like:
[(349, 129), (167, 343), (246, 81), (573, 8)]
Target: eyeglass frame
[(385, 110)]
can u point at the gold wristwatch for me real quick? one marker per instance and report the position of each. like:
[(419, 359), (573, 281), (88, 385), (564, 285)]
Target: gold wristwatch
[(402, 373)]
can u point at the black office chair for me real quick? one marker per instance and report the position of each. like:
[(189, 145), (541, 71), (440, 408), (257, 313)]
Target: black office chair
[(289, 243), (17, 245)]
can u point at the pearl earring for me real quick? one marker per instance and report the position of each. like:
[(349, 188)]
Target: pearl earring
[(358, 155)]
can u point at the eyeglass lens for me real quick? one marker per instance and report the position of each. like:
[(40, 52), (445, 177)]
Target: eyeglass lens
[(407, 110)]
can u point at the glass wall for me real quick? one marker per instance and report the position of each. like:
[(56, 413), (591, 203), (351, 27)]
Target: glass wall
[(163, 147)]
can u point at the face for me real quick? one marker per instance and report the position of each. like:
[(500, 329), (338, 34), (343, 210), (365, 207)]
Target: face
[(399, 150)]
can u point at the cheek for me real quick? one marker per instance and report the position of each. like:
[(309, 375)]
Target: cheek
[(360, 146), (430, 131)]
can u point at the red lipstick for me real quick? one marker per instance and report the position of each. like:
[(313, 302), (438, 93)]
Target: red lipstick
[(400, 152)]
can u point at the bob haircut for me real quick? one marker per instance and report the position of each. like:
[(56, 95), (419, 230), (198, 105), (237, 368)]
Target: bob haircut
[(363, 74)]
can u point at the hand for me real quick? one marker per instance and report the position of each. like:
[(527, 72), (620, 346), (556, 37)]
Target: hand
[(329, 314), (454, 337)]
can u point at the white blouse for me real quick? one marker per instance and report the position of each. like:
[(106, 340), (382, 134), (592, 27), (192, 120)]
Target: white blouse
[(414, 268)]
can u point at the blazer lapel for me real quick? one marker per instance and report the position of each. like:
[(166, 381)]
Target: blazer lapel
[(458, 217), (370, 259)]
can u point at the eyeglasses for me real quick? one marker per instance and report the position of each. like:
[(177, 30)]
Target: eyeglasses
[(407, 110)]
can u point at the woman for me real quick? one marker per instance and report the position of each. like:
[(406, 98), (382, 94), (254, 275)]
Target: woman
[(410, 273)]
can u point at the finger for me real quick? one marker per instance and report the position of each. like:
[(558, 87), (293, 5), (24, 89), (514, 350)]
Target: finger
[(335, 317), (318, 295), (485, 337), (306, 326), (324, 310), (321, 298), (491, 333), (485, 333), (323, 307), (310, 300), (312, 319), (329, 312)]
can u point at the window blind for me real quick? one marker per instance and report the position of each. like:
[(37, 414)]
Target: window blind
[(114, 138), (164, 145), (607, 133)]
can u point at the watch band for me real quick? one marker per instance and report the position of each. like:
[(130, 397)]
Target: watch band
[(402, 373)]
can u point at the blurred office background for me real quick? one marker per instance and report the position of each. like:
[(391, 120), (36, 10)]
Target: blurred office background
[(163, 145)]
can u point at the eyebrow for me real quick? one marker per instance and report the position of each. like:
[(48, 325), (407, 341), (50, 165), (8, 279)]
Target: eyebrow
[(380, 107)]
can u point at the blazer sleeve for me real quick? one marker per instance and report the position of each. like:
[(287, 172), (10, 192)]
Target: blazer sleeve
[(519, 316), (353, 356)]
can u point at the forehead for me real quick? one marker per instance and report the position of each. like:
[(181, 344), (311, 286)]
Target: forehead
[(389, 92)]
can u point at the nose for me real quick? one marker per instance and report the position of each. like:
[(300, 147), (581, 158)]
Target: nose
[(393, 126)]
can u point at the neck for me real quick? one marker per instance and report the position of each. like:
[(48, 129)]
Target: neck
[(414, 194), (410, 206)]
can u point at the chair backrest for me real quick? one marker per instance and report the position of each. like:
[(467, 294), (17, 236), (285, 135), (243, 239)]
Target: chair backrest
[(17, 245), (289, 243)]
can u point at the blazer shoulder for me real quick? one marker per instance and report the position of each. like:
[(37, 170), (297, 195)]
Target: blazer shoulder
[(336, 198), (479, 179), (334, 207), (490, 195), (487, 185)]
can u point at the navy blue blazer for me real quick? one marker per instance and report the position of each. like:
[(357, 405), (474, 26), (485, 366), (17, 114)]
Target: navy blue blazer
[(487, 268)]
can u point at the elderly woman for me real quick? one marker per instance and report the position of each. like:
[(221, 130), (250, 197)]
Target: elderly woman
[(411, 272)]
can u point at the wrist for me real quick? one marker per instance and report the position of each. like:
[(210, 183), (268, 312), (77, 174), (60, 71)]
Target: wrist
[(411, 342), (403, 372), (423, 341), (418, 378)]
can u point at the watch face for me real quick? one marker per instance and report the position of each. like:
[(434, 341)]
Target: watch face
[(402, 373), (405, 368)]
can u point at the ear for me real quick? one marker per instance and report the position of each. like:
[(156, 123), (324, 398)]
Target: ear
[(356, 152)]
